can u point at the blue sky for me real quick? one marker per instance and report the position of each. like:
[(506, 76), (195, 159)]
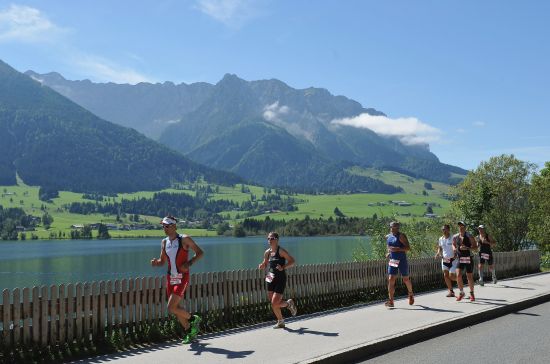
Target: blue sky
[(470, 77)]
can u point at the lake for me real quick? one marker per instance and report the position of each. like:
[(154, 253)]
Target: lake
[(46, 262)]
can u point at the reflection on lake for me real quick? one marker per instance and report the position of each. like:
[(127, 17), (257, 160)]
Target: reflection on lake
[(45, 262)]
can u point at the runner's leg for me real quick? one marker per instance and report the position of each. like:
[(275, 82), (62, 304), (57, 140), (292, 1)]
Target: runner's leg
[(276, 304), (408, 283), (182, 315), (391, 286)]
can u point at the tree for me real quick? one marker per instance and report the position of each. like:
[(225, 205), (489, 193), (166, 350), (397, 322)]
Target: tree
[(47, 220), (429, 209), (338, 213), (428, 186), (222, 228), (239, 231), (103, 232), (539, 217), (496, 194)]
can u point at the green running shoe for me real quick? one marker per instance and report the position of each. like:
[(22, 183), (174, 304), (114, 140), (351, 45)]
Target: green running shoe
[(187, 339), (196, 325)]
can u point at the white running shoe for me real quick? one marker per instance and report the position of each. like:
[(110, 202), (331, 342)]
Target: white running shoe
[(292, 307)]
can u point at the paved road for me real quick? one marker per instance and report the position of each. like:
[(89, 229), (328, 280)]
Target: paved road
[(332, 335), (521, 337)]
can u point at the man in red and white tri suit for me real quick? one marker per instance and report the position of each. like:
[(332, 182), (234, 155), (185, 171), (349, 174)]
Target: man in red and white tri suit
[(175, 250)]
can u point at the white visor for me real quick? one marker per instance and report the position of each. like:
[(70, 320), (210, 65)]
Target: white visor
[(168, 221)]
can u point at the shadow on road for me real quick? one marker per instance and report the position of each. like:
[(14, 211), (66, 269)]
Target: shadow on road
[(198, 348), (506, 286), (305, 330), (426, 308), (526, 313), (133, 352)]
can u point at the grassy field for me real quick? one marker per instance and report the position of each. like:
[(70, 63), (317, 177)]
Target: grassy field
[(314, 206), (357, 205), (409, 184)]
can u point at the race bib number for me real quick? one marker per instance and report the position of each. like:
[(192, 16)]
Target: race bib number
[(446, 260), (485, 256), (269, 277), (465, 260), (394, 263), (176, 279)]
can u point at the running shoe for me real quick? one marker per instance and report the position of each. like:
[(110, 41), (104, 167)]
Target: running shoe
[(460, 296), (450, 294), (187, 338), (494, 279), (411, 299), (195, 325), (292, 307), (481, 282), (279, 325), (389, 304), (472, 297)]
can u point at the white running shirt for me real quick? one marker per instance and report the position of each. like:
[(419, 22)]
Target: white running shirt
[(446, 245)]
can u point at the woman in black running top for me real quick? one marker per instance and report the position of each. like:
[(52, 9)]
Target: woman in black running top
[(277, 259)]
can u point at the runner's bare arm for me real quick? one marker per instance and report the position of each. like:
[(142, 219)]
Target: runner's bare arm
[(290, 259), (190, 244), (158, 262), (473, 243), (439, 251), (263, 264), (405, 241)]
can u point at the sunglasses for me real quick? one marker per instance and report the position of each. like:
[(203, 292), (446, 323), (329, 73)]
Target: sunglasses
[(271, 238)]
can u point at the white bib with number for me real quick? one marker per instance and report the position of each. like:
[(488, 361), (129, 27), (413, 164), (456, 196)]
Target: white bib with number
[(446, 260), (269, 277), (465, 260), (394, 263), (485, 256), (176, 279)]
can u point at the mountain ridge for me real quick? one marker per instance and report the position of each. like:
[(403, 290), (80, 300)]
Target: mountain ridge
[(199, 129)]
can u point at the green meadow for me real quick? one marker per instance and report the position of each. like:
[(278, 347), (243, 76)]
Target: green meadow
[(314, 206)]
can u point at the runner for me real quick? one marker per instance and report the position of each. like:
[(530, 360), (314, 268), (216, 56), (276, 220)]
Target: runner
[(485, 242), (277, 258), (175, 250), (463, 244), (398, 246), (449, 262)]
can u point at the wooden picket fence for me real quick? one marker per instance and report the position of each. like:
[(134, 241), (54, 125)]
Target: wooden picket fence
[(61, 314)]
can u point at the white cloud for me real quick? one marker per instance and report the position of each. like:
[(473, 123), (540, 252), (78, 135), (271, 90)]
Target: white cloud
[(230, 12), (410, 131), (460, 130), (479, 124), (26, 24), (29, 25), (274, 112), (103, 70)]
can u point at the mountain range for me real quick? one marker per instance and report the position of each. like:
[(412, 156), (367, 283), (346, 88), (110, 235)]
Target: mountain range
[(48, 140), (264, 131)]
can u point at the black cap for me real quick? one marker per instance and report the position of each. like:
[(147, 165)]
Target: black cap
[(461, 223)]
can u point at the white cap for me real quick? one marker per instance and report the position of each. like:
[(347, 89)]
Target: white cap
[(168, 221)]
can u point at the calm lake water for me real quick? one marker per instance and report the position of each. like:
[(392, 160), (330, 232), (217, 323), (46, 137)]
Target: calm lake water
[(45, 262)]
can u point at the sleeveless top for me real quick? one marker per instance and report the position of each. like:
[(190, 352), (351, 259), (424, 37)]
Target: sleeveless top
[(393, 241), (485, 248), (276, 259), (176, 253), (446, 245), (464, 242)]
